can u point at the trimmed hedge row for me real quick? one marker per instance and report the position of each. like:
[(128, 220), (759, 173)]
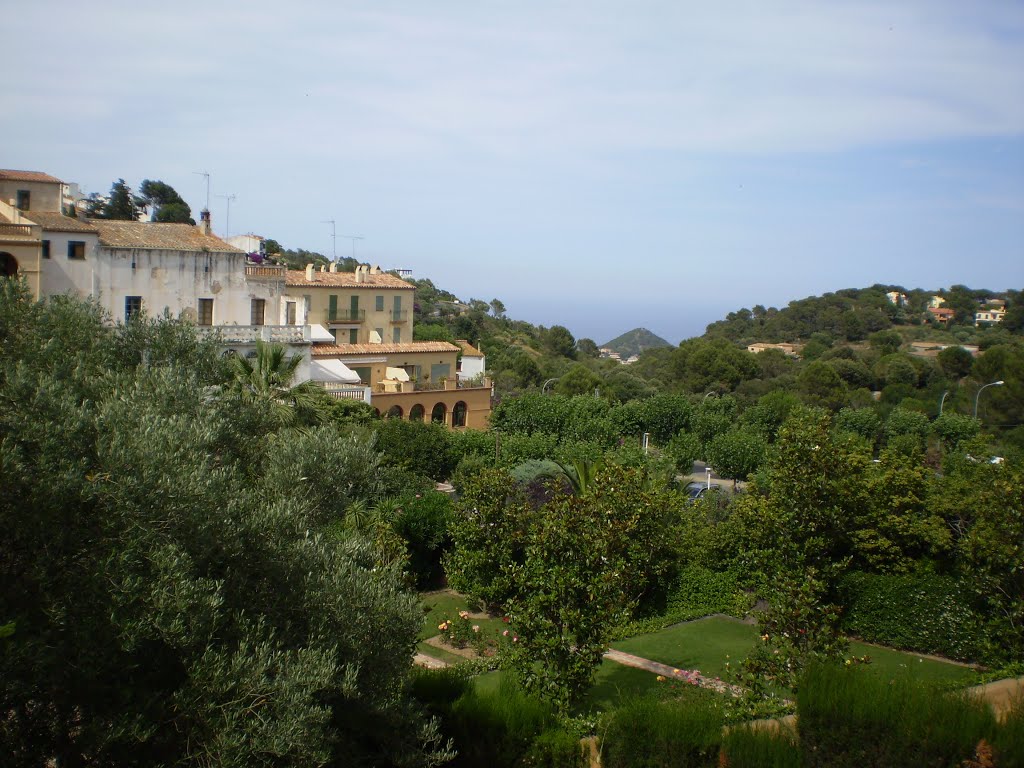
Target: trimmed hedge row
[(924, 613)]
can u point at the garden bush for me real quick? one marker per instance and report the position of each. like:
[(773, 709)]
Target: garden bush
[(927, 613), (497, 729), (745, 747), (849, 717), (651, 733), (423, 523), (555, 748), (1009, 741)]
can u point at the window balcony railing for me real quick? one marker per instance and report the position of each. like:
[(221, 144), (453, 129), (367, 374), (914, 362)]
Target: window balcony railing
[(344, 316), (399, 315)]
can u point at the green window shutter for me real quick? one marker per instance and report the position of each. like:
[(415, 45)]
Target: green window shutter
[(332, 307)]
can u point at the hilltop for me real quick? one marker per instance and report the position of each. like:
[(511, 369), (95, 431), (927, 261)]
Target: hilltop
[(634, 342)]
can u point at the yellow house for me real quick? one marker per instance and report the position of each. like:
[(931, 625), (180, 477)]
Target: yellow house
[(370, 314), (21, 238), (362, 307)]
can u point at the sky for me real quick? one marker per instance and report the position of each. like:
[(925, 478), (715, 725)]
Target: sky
[(594, 164)]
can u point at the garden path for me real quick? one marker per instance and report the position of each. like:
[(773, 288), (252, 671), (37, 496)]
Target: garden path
[(422, 660), (671, 673), (1000, 694)]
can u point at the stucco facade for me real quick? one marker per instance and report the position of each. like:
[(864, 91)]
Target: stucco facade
[(367, 306)]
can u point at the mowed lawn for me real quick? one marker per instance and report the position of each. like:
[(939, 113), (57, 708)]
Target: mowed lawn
[(708, 644)]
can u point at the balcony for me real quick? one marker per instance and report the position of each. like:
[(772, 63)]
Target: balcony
[(264, 272), (399, 316), (15, 230), (344, 316)]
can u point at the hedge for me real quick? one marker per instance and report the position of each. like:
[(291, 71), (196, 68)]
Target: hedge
[(925, 613)]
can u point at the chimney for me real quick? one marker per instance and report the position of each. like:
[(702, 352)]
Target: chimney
[(360, 274), (323, 267), (334, 266), (204, 222), (309, 273)]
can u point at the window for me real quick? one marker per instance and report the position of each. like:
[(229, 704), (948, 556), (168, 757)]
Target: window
[(289, 313), (132, 307), (259, 312), (353, 335), (46, 249), (363, 373), (24, 197), (205, 312), (380, 334), (396, 335), (76, 250), (380, 304)]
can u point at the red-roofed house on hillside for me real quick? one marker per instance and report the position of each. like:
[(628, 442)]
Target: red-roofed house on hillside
[(369, 314)]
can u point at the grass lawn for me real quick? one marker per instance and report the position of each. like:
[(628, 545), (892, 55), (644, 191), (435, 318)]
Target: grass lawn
[(709, 643), (442, 605)]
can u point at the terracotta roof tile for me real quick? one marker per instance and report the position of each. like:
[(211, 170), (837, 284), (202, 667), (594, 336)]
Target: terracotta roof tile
[(469, 349), (339, 350), (58, 222), (297, 278), (166, 237), (11, 175)]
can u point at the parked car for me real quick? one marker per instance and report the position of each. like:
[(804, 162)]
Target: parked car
[(697, 490)]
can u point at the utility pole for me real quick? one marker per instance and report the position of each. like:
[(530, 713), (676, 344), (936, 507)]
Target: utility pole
[(227, 219), (206, 174), (334, 239), (353, 238)]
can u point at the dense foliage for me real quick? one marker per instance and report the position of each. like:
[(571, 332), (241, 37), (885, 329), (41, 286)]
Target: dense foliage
[(174, 595)]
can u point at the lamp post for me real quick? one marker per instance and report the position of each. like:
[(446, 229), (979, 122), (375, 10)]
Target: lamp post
[(942, 401), (544, 389), (978, 396), (709, 394)]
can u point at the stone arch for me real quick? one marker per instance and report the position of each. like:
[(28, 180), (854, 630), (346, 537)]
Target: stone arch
[(439, 413), (394, 412), (8, 265), (416, 413), (459, 411)]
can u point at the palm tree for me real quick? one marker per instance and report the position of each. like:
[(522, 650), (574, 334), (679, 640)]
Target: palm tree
[(267, 377), (580, 473)]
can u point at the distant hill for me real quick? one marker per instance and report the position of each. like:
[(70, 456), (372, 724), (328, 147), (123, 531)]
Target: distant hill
[(634, 342)]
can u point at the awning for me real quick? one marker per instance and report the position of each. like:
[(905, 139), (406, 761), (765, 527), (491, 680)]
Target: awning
[(397, 374), (320, 335), (333, 371)]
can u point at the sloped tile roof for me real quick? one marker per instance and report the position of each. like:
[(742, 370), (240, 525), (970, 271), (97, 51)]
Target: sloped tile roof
[(338, 350), (469, 349), (11, 175), (164, 237), (297, 278), (58, 222)]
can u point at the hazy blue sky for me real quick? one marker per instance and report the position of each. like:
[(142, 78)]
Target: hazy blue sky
[(603, 165)]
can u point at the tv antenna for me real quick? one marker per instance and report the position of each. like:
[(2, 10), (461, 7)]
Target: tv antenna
[(205, 174), (353, 238), (227, 219), (334, 239)]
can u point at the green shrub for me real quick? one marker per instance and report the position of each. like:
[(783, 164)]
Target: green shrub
[(555, 748), (439, 689), (745, 747), (852, 718), (925, 613), (423, 523), (1009, 741), (651, 733), (496, 729)]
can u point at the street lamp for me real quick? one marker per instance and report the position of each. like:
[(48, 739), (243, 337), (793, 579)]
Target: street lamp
[(709, 394), (943, 400), (978, 396), (544, 389)]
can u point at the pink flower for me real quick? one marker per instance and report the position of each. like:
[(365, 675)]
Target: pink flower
[(463, 614), (505, 619), (476, 627), (515, 638), (505, 633)]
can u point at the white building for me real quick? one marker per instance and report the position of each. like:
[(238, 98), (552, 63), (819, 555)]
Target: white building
[(472, 364)]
